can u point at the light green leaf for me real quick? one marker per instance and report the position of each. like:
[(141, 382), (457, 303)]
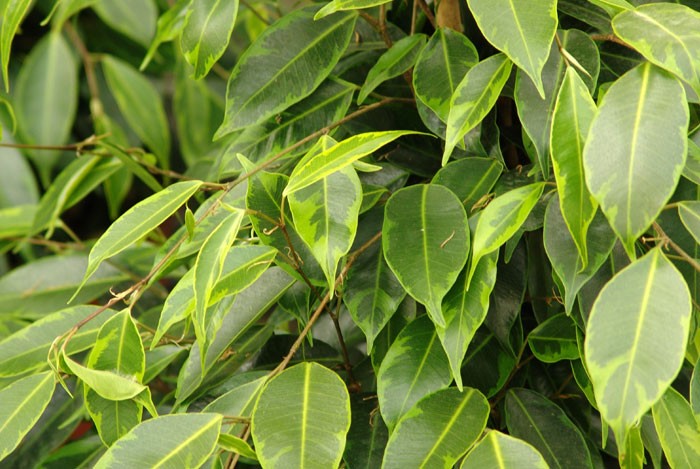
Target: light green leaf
[(473, 98), (414, 366), (167, 442), (266, 79), (18, 185), (613, 7), (631, 455), (140, 104), (470, 179), (169, 25), (523, 30), (692, 165), (12, 13), (107, 384), (441, 65), (499, 451), (291, 423), (573, 114), (554, 340), (501, 219), (695, 390), (243, 265), (206, 33), (64, 9), (465, 307), (178, 305), (665, 34), (645, 304), (325, 216), (236, 445), (636, 149), (318, 164), (138, 221), (689, 212), (21, 405), (135, 19), (400, 57), (426, 243), (678, 430), (537, 420), (16, 221), (343, 5), (438, 430), (238, 401)]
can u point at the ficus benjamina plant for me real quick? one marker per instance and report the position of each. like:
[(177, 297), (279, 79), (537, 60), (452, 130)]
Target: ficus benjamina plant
[(356, 233)]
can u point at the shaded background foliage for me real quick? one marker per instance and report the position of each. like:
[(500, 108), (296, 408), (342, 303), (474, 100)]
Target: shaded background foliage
[(376, 234)]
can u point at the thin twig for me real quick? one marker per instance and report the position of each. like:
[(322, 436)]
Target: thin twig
[(611, 38), (255, 12), (666, 240), (429, 14), (89, 65), (91, 141)]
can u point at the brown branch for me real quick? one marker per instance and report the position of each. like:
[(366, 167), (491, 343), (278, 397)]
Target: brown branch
[(667, 241), (89, 66), (429, 14), (91, 141), (611, 38)]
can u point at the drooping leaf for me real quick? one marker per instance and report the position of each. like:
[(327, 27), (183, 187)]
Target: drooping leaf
[(266, 79), (291, 423), (678, 429), (236, 445), (535, 419), (167, 441), (21, 405), (613, 7), (12, 13), (474, 97), (643, 157), (343, 5), (206, 33), (135, 19), (499, 451), (168, 26), (107, 384), (470, 179), (523, 30), (414, 366), (554, 340), (400, 57), (426, 243), (645, 304), (325, 216), (689, 212)]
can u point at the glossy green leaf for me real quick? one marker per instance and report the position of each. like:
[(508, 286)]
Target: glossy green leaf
[(170, 441), (206, 33), (317, 165), (636, 149), (291, 423), (107, 384), (554, 340), (343, 5), (523, 30), (645, 304), (243, 265), (470, 179), (426, 243), (271, 64), (138, 221), (573, 114), (473, 98), (666, 35), (499, 451), (438, 430), (178, 305), (140, 104), (563, 253), (631, 455), (12, 13), (236, 445), (135, 19), (678, 429), (535, 419), (501, 219), (689, 212), (441, 66), (168, 26), (400, 57), (238, 401), (613, 7), (325, 216), (414, 366), (21, 405), (465, 307)]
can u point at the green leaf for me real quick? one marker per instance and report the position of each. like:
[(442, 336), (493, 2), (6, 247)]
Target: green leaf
[(535, 419), (473, 98), (168, 441), (343, 5), (140, 104), (692, 165), (695, 389), (18, 184), (168, 26), (573, 114), (562, 251), (135, 19), (21, 405), (414, 366), (266, 79), (243, 265), (631, 456), (438, 430), (367, 436), (645, 304), (47, 86), (325, 216), (689, 212), (426, 243), (400, 57), (666, 35), (613, 7), (206, 33), (138, 221), (178, 305), (678, 430), (16, 221), (499, 451), (238, 401), (292, 425), (317, 165), (470, 179), (501, 219), (524, 31), (554, 340), (107, 384), (12, 13), (448, 55), (236, 445), (633, 170)]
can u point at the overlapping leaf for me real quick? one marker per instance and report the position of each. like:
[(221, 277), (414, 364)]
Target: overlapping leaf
[(497, 450), (678, 430), (12, 13)]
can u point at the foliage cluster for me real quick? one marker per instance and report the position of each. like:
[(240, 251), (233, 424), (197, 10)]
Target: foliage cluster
[(364, 232)]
